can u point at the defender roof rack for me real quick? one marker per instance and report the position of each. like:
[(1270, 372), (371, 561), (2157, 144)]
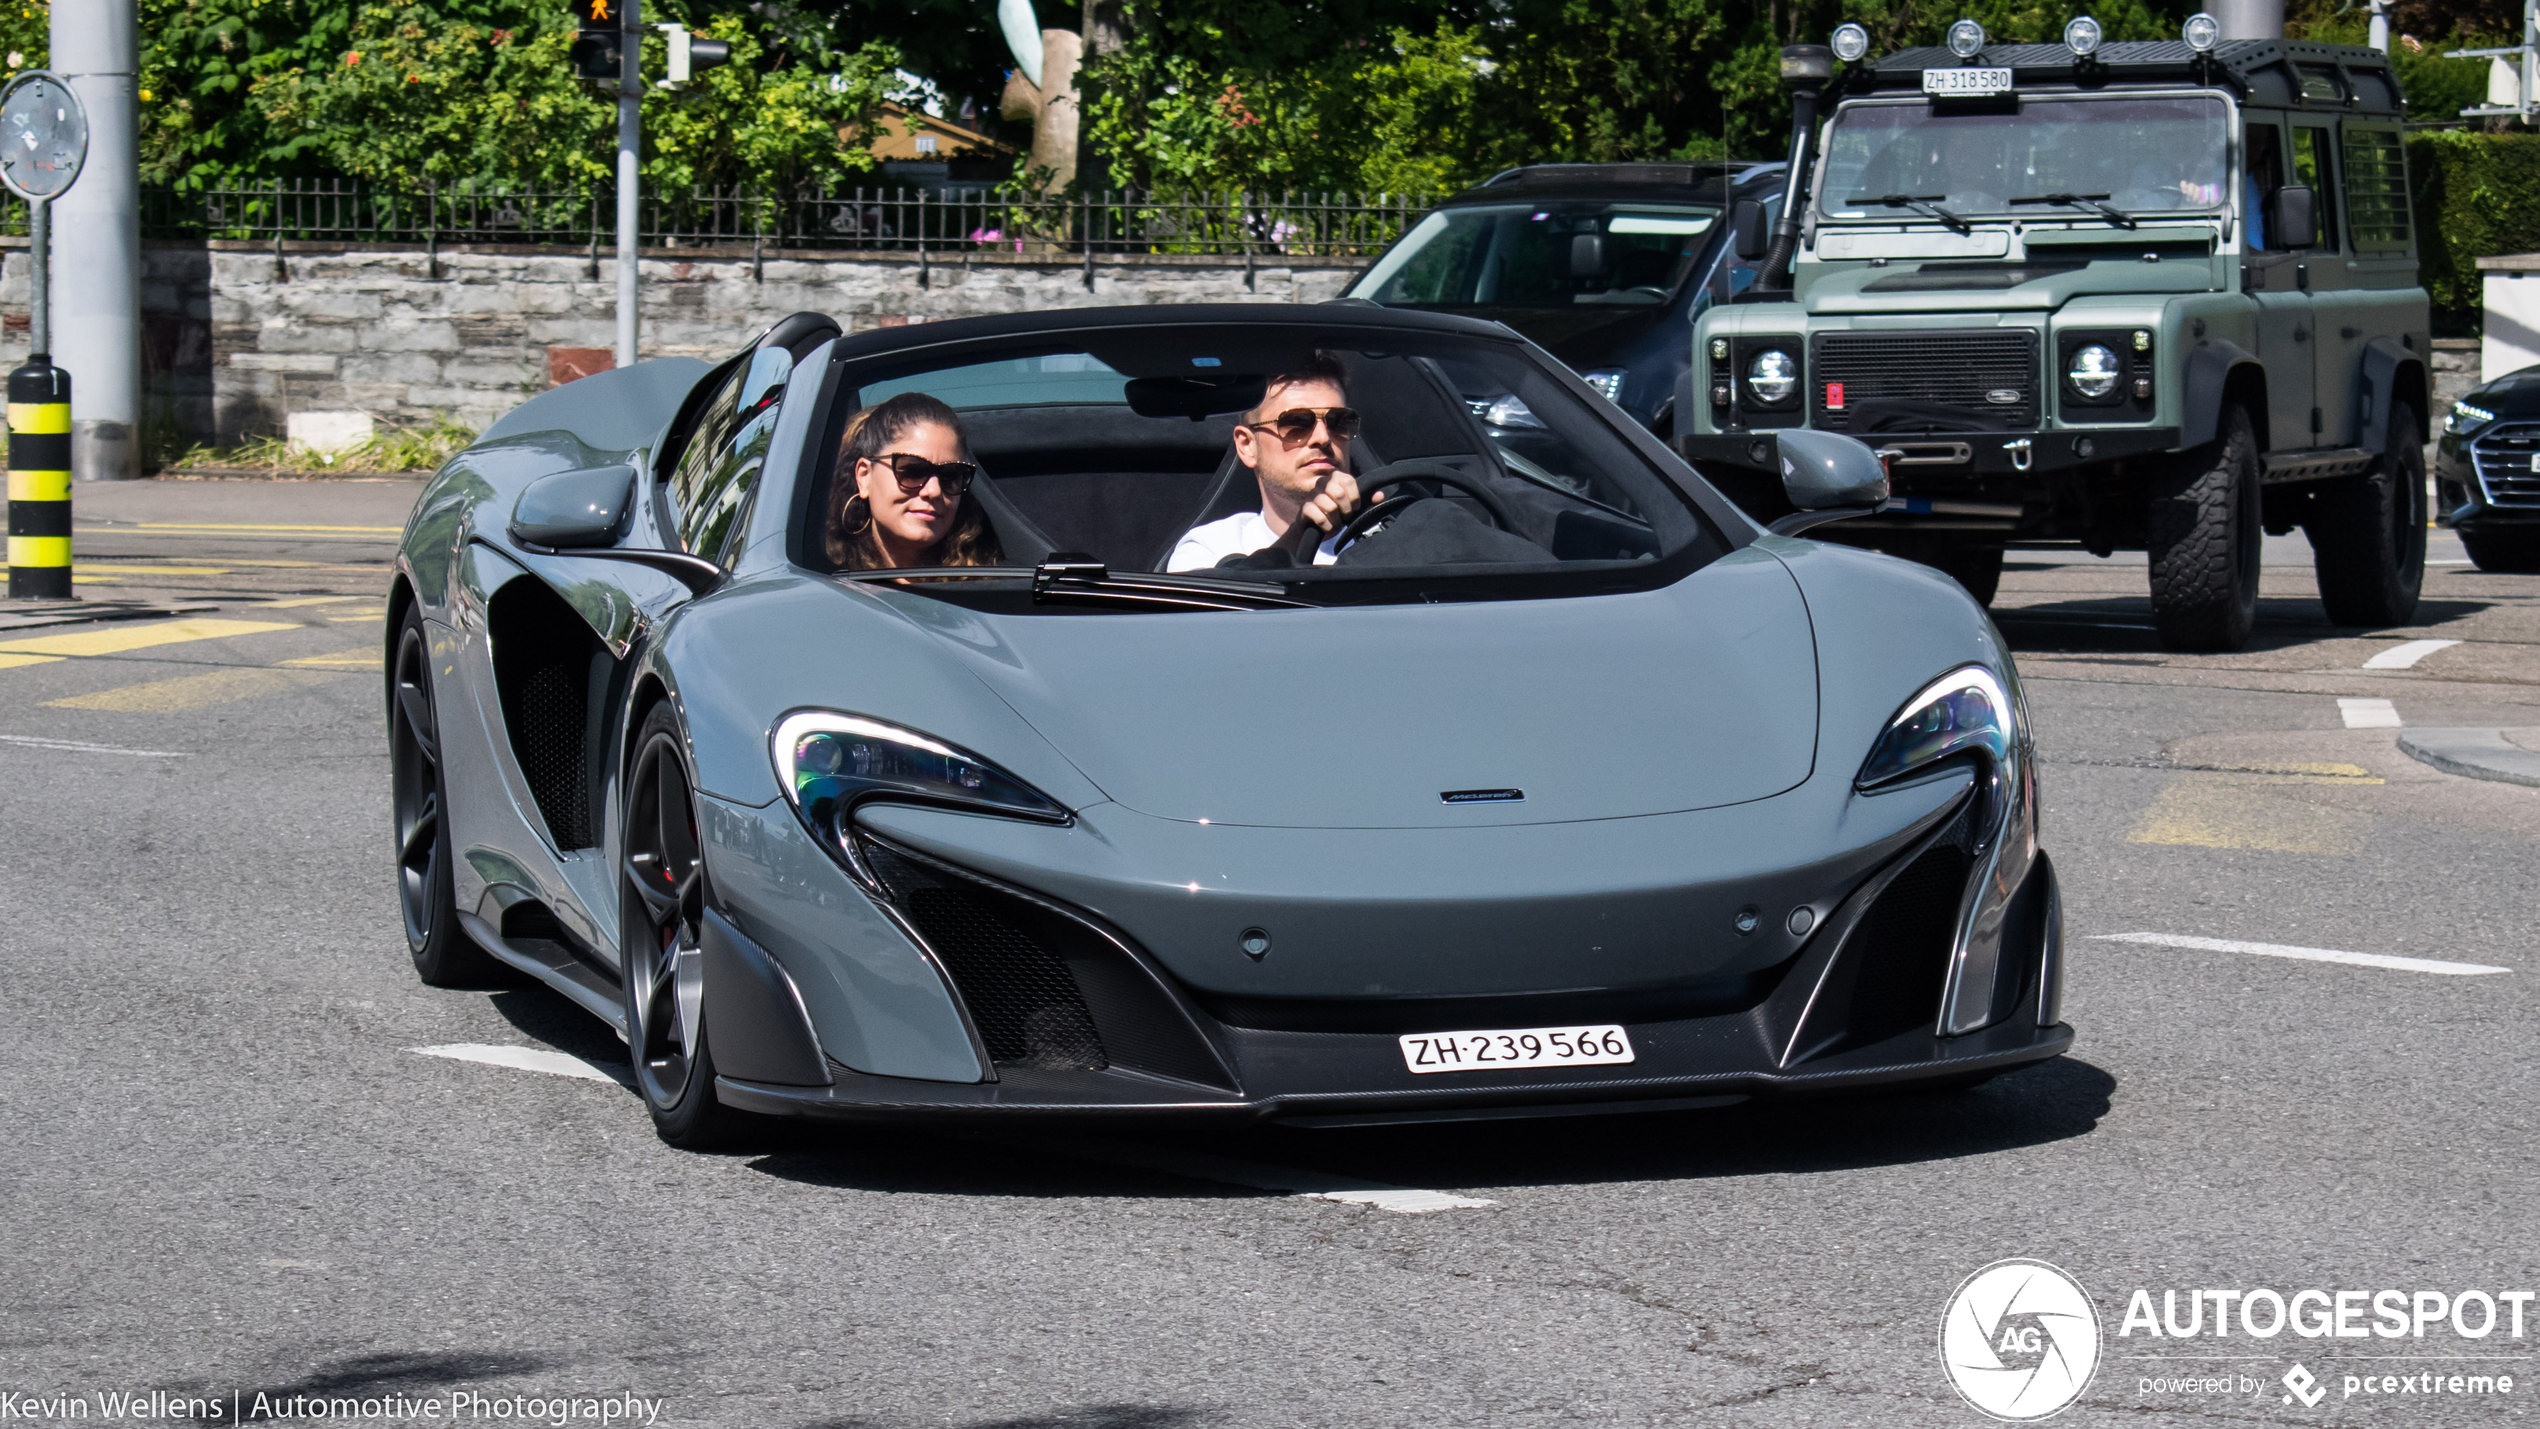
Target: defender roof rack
[(2275, 73)]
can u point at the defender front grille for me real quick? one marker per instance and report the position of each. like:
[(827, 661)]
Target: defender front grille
[(2504, 458), (1951, 369)]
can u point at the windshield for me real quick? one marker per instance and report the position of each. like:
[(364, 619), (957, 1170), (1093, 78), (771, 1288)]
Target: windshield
[(1123, 452), (2064, 154), (1542, 255)]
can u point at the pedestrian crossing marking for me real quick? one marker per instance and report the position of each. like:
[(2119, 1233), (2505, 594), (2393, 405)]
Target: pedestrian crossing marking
[(192, 692), (137, 637)]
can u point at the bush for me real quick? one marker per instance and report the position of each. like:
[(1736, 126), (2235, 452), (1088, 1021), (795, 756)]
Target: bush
[(2477, 195)]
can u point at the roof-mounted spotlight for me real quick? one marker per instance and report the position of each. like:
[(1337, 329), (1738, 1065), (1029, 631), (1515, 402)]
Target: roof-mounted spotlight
[(2202, 32), (2082, 37), (1966, 39), (1850, 42)]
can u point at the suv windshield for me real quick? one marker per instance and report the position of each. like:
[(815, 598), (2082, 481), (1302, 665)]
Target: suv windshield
[(2059, 155), (1554, 254), (1110, 449)]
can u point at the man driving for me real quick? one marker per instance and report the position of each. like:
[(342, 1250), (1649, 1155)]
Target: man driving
[(1297, 444)]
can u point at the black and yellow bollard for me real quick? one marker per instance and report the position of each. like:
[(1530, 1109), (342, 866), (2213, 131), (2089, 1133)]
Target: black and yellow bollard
[(40, 482)]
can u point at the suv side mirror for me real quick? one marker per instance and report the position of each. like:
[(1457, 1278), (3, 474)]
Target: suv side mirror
[(1587, 255), (2295, 222), (1828, 476), (1746, 230)]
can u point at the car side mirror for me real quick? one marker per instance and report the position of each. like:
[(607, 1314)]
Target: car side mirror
[(2295, 222), (1829, 477), (575, 509), (1587, 255), (1746, 230)]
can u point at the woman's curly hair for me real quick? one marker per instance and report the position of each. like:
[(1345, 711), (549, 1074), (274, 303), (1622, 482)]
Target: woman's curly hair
[(852, 543)]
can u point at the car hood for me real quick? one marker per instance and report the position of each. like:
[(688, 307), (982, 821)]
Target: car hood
[(1700, 694)]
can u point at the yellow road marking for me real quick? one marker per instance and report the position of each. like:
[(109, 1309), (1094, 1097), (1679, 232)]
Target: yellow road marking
[(117, 639), (2221, 813), (192, 692), (358, 615), (250, 526), (309, 600), (2304, 773), (11, 662), (365, 659), (96, 580), (124, 570)]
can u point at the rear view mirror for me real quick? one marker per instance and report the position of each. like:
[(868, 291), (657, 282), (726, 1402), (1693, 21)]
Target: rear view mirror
[(2295, 222), (1746, 230), (575, 509), (1587, 255), (1828, 476), (1193, 397)]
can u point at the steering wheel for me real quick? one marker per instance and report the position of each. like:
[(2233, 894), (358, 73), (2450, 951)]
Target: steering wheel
[(1420, 469)]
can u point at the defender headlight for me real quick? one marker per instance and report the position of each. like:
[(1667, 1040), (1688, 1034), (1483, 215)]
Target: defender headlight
[(1964, 711), (830, 762), (1772, 376), (2094, 372), (1850, 43), (2466, 419), (1608, 382)]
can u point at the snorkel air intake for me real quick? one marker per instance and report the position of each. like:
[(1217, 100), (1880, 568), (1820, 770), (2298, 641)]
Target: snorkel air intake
[(1806, 69)]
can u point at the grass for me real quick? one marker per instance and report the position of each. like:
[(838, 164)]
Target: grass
[(391, 450)]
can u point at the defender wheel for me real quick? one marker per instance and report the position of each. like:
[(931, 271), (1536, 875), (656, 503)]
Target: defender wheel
[(2506, 552), (443, 953), (662, 906), (1978, 568), (2205, 534), (2368, 540)]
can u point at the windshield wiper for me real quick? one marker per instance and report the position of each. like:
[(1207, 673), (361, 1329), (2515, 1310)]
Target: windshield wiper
[(1925, 204), (2117, 216), (1071, 579)]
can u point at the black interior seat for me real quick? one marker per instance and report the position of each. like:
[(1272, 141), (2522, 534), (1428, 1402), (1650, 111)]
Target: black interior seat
[(1098, 478)]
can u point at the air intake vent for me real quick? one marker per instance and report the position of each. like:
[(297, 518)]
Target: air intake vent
[(1021, 996), (1900, 951)]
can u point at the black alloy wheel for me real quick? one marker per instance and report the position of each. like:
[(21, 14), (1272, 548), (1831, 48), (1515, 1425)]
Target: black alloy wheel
[(2368, 537), (444, 956), (2205, 541), (662, 961)]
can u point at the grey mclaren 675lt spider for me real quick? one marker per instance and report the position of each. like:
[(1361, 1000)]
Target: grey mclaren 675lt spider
[(971, 721)]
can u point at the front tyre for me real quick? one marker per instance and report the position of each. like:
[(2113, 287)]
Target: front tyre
[(2368, 539), (2205, 532), (2509, 551), (662, 881), (444, 956)]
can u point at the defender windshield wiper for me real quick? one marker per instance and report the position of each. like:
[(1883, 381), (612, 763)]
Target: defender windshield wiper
[(1069, 579), (1925, 204), (2117, 216)]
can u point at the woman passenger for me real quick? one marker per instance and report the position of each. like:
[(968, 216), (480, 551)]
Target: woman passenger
[(900, 496)]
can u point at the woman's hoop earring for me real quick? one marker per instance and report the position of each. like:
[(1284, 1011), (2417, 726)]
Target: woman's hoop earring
[(857, 517)]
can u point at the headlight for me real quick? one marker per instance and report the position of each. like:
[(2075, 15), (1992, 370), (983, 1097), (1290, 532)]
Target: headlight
[(1511, 411), (1962, 712), (1772, 376), (2466, 419), (830, 762), (1608, 383), (2094, 372)]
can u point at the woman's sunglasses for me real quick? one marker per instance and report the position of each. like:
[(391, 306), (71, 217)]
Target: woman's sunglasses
[(1296, 424), (915, 471)]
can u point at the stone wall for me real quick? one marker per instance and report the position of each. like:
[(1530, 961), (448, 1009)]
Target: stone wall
[(237, 339)]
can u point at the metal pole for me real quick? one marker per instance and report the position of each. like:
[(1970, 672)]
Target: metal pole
[(39, 264), (94, 49), (630, 133), (2379, 34)]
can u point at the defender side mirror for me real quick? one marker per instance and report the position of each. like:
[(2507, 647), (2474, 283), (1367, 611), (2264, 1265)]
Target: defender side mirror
[(574, 510), (1587, 255), (2295, 222), (1829, 477), (1747, 235)]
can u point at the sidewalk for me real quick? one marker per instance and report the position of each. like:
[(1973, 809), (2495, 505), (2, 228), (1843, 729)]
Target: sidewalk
[(2508, 756)]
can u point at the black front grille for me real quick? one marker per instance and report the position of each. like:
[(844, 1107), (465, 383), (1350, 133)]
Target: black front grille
[(1958, 372), (2505, 457), (1022, 998)]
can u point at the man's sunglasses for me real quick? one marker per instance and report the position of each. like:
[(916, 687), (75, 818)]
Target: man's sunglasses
[(1297, 423), (915, 471)]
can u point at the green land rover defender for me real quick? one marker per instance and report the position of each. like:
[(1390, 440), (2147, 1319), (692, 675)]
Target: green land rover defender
[(2156, 296)]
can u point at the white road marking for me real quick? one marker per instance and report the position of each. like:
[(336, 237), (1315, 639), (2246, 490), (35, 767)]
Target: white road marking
[(79, 747), (2402, 657), (2316, 955), (528, 1059), (2369, 714), (1305, 1185)]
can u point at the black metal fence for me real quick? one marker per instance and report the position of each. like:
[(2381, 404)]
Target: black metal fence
[(942, 223)]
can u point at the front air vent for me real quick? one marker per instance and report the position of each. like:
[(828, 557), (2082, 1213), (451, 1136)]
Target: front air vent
[(1022, 998), (1896, 960)]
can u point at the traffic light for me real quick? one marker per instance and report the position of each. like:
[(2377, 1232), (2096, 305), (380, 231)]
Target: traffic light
[(597, 52), (689, 54)]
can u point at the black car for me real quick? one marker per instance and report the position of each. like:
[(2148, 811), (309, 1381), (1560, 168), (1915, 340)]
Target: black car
[(1604, 265), (2487, 471)]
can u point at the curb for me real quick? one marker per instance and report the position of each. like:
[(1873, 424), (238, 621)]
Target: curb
[(2481, 753)]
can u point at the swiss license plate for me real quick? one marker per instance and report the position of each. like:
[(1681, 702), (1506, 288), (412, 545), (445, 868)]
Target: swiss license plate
[(1426, 1052), (1967, 80)]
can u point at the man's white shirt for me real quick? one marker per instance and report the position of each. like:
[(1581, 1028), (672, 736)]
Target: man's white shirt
[(1237, 535)]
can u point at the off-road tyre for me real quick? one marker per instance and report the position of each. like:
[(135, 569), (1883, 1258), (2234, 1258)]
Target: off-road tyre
[(2511, 551), (1978, 568), (419, 805), (2368, 534), (2204, 535)]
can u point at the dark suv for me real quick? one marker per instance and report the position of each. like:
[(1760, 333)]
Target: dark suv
[(1605, 265)]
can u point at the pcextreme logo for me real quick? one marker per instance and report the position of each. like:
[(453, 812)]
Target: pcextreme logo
[(2020, 1340)]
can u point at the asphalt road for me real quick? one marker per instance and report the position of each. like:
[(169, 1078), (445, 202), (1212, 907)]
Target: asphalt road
[(228, 1170)]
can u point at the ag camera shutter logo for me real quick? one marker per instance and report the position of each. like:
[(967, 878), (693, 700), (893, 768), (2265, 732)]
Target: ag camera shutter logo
[(2020, 1340)]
